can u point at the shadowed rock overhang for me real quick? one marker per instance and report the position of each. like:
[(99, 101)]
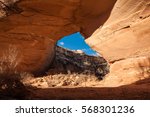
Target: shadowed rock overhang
[(35, 28)]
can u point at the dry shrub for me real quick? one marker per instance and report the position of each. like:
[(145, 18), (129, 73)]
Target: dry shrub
[(11, 87), (10, 79), (8, 7)]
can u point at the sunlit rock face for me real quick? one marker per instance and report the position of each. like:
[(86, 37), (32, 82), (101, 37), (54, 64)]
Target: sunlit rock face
[(124, 40), (33, 26)]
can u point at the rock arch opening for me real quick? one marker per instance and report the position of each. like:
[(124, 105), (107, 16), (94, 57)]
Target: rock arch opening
[(37, 25), (74, 55)]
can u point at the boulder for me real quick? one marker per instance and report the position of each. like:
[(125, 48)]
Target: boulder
[(25, 53)]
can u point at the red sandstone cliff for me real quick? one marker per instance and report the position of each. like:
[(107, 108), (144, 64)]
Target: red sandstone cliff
[(124, 40), (32, 27)]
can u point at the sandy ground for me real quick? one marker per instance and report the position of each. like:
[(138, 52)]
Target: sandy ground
[(75, 86), (83, 87)]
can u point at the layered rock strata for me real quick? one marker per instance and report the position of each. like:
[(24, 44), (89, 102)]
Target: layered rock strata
[(80, 62), (124, 40)]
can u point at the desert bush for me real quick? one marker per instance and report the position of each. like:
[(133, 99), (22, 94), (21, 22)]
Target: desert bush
[(8, 60), (10, 79), (12, 87), (8, 7)]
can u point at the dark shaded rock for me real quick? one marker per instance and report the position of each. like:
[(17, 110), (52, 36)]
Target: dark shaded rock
[(78, 61)]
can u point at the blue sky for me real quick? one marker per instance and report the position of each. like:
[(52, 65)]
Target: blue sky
[(76, 42)]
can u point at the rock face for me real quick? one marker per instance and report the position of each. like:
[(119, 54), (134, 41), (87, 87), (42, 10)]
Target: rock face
[(124, 40), (33, 27), (80, 62), (25, 53), (128, 71)]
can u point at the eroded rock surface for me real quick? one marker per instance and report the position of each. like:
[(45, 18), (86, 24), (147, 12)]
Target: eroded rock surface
[(25, 53), (78, 61), (50, 19), (128, 71), (124, 40), (32, 28)]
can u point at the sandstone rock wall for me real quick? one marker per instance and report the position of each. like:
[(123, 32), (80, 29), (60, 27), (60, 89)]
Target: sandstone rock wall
[(33, 27), (124, 40), (25, 53), (126, 32)]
